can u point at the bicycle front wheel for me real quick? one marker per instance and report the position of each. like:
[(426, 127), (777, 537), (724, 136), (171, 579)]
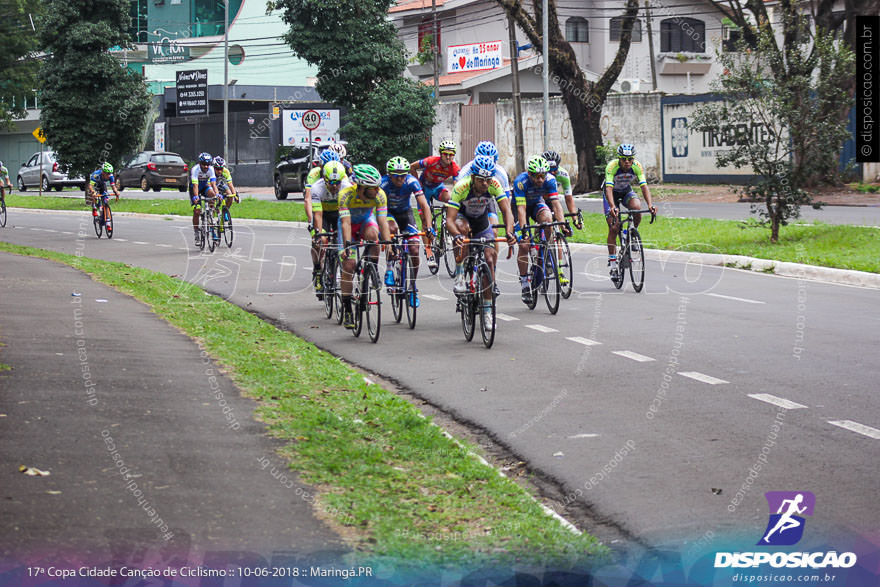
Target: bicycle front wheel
[(564, 257), (396, 292), (227, 227), (550, 285), (328, 277), (108, 221), (467, 305), (371, 295), (3, 212), (409, 286), (210, 229), (636, 261), (486, 301), (96, 220), (448, 250), (535, 280)]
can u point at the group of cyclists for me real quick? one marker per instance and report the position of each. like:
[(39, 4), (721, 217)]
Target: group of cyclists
[(358, 204)]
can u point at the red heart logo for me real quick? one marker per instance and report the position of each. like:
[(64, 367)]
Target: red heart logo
[(461, 62)]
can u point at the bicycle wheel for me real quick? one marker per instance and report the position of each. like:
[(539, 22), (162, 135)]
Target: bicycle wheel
[(372, 301), (397, 293), (636, 260), (338, 296), (565, 264), (437, 247), (357, 283), (3, 212), (535, 279), (487, 315), (210, 229), (550, 284), (621, 262), (410, 289), (227, 226), (467, 304), (328, 276), (448, 251), (96, 220), (108, 221)]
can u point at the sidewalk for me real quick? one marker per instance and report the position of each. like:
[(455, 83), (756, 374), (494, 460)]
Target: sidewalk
[(151, 451)]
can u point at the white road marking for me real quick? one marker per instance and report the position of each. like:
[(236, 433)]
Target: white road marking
[(260, 260), (50, 230), (286, 264), (66, 232), (165, 246), (433, 297), (541, 328), (583, 436), (633, 356), (583, 341), (746, 300), (701, 377), (596, 275), (122, 240), (505, 317), (777, 401), (139, 243), (856, 427)]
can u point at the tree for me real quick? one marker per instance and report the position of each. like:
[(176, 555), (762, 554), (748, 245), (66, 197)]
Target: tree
[(360, 61), (18, 62), (768, 95), (93, 109), (583, 99)]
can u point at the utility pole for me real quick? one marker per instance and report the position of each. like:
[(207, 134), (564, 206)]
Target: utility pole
[(435, 49), (519, 146), (545, 41), (225, 79), (651, 44)]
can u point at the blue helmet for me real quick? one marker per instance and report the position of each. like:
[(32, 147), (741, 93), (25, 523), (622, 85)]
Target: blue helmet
[(328, 155), (626, 150), (205, 158), (487, 148), (483, 166)]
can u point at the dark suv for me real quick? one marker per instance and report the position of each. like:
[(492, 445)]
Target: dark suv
[(154, 170), (291, 171)]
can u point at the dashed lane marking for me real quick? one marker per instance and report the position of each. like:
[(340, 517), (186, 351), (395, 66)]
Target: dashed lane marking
[(777, 401), (583, 341), (702, 377), (541, 328), (633, 356), (505, 317), (856, 427), (576, 436), (437, 298), (734, 298)]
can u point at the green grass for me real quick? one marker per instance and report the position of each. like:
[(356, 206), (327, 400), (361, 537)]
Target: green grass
[(385, 476), (866, 188)]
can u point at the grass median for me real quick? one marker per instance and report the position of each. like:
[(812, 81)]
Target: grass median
[(827, 245), (385, 476)]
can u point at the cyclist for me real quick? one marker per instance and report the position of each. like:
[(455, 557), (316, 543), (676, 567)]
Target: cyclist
[(401, 188), (619, 174), (471, 196), (563, 182), (489, 149), (326, 156), (203, 180), (97, 186), (225, 187), (363, 208), (531, 188), (340, 150), (436, 170), (325, 213), (5, 184)]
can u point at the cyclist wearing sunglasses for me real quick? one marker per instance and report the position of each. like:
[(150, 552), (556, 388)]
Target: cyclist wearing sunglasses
[(325, 211), (619, 175)]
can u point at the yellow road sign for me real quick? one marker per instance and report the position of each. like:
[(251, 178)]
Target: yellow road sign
[(38, 133)]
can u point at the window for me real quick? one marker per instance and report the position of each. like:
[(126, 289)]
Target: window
[(577, 30), (617, 27), (32, 161), (679, 35)]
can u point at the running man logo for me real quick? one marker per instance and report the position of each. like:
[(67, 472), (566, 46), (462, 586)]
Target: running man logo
[(786, 526)]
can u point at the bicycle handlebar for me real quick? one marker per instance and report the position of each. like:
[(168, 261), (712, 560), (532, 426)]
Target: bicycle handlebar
[(483, 241), (543, 225), (629, 212)]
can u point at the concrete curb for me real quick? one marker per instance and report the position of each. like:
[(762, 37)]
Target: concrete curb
[(766, 266)]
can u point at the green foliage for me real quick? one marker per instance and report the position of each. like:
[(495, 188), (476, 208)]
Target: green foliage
[(18, 62), (426, 50), (769, 94), (93, 109), (604, 154), (393, 121)]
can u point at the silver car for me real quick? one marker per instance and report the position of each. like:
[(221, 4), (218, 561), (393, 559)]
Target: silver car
[(33, 172)]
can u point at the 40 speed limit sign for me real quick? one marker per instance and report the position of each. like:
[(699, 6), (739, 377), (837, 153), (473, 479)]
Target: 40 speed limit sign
[(311, 119)]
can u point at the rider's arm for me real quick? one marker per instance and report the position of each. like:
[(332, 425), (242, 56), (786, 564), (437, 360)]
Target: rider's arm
[(318, 219), (451, 214), (643, 183), (422, 202)]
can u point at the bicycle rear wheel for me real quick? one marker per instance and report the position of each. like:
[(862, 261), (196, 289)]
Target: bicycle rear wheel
[(357, 283), (448, 250), (487, 312), (96, 221), (108, 221), (621, 262), (550, 284), (535, 279), (636, 261), (208, 229), (397, 293), (226, 218), (338, 296), (328, 277), (437, 247), (564, 256), (410, 289), (372, 291), (3, 212)]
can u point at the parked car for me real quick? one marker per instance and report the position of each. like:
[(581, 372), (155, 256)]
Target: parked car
[(33, 172), (154, 170), (290, 173)]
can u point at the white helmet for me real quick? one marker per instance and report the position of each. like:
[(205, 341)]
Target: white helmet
[(339, 148)]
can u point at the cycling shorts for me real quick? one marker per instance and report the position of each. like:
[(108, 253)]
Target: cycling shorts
[(534, 208), (406, 221), (358, 228), (432, 192), (619, 197)]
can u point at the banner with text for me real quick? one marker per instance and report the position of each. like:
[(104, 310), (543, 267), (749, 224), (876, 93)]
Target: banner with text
[(295, 133), (192, 92), (473, 57)]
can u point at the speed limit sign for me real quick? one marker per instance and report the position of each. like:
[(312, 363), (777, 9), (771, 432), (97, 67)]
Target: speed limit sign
[(311, 119)]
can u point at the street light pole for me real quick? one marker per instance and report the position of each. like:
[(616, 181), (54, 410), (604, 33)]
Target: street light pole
[(226, 79), (545, 23)]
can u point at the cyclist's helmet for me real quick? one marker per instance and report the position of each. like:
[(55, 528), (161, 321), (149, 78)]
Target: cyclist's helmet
[(397, 166), (483, 166), (486, 148), (626, 150), (447, 147), (328, 155), (366, 175), (107, 168), (205, 158), (334, 171), (553, 158), (538, 164), (340, 149), (219, 161)]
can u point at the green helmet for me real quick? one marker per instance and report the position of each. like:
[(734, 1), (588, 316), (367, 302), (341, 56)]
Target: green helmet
[(397, 166), (366, 175), (334, 171), (538, 164), (107, 168)]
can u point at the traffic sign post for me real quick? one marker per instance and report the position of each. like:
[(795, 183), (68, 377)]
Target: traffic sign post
[(38, 134), (311, 120)]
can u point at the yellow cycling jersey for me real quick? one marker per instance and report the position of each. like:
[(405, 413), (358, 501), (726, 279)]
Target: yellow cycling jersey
[(360, 208)]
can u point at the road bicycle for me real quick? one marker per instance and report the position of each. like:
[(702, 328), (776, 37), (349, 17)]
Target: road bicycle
[(366, 293), (442, 246), (565, 256), (630, 252), (329, 272), (209, 231), (103, 220), (224, 218), (479, 281), (404, 291), (544, 266), (3, 206)]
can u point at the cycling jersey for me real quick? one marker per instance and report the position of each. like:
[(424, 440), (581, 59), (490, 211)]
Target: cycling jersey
[(526, 192), (329, 202), (500, 174), (563, 180), (620, 180), (99, 184), (4, 175), (400, 199), (316, 173), (435, 173), (475, 208), (359, 208), (200, 177)]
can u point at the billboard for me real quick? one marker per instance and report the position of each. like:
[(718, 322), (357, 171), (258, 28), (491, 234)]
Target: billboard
[(293, 132), (473, 57), (192, 92)]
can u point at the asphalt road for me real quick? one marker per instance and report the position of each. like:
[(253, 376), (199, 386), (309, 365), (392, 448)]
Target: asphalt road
[(652, 410)]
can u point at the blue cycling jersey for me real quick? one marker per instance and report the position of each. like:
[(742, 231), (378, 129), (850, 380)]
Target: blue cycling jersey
[(526, 192), (400, 198), (99, 183)]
